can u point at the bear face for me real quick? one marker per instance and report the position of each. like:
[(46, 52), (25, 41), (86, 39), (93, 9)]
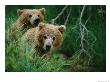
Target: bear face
[(50, 36), (31, 17)]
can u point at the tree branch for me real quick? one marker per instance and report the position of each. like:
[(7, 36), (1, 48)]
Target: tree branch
[(83, 34), (54, 19)]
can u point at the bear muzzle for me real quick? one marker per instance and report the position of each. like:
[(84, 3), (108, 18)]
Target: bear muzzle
[(48, 44), (48, 47), (36, 21)]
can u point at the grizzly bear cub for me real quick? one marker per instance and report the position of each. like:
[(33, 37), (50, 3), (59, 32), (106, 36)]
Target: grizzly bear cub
[(28, 18), (44, 37)]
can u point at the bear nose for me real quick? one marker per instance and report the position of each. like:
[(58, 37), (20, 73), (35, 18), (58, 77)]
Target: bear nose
[(36, 21), (48, 47)]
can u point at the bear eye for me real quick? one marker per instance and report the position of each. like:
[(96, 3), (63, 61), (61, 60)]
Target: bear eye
[(38, 15), (53, 38), (30, 15), (45, 37)]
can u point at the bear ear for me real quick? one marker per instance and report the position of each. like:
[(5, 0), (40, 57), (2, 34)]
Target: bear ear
[(41, 25), (62, 28), (42, 10), (19, 12)]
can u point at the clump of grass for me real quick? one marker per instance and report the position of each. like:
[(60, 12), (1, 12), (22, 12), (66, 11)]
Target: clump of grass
[(18, 58)]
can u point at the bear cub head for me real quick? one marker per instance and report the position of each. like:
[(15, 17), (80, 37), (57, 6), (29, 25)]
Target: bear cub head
[(31, 17), (50, 35)]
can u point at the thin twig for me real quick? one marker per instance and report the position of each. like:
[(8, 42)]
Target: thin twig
[(82, 13), (82, 28), (68, 16), (87, 20), (54, 19)]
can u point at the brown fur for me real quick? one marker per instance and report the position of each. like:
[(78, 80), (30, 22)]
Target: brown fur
[(35, 36), (23, 20)]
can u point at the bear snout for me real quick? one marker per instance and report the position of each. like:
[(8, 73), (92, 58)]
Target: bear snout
[(47, 44), (48, 47), (36, 21)]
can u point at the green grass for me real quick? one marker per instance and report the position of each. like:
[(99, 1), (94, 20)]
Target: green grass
[(18, 55)]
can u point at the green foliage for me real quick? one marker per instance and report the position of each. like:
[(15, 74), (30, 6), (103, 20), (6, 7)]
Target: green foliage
[(18, 53), (18, 58)]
